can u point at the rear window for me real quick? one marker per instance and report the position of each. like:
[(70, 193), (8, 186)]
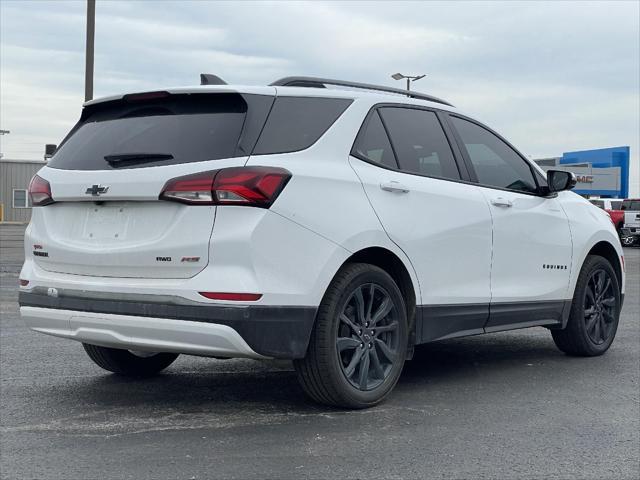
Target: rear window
[(296, 123), (373, 143), (419, 142), (630, 205), (615, 205), (162, 131)]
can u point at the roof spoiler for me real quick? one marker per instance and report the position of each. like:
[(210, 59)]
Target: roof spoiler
[(210, 79)]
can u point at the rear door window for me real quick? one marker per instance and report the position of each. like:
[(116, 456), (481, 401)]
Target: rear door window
[(296, 123), (162, 131), (420, 142), (373, 143)]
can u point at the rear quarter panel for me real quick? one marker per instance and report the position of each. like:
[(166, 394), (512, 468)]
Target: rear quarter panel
[(326, 196)]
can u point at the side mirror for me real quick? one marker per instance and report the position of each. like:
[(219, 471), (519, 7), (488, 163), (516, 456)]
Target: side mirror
[(559, 180)]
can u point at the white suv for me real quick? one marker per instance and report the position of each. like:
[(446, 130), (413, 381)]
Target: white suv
[(332, 223)]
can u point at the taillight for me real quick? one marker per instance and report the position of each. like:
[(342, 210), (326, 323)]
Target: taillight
[(250, 186), (40, 192)]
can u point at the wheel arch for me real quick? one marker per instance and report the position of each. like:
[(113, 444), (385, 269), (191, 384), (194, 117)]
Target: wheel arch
[(607, 250)]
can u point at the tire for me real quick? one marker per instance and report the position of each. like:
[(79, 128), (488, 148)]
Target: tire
[(359, 341), (595, 311), (124, 362)]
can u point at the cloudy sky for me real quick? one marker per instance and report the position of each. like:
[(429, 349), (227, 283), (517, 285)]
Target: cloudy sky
[(551, 77)]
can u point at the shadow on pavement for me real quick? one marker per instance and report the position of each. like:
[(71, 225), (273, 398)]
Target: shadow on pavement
[(204, 384)]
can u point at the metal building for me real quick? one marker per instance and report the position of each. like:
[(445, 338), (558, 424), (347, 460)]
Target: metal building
[(603, 172), (15, 176)]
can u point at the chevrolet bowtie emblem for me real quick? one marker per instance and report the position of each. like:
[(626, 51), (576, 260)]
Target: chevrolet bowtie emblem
[(97, 190)]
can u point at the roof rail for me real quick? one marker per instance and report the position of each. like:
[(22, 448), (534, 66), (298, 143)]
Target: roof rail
[(315, 82)]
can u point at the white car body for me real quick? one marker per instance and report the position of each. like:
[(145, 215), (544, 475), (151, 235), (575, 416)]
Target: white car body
[(476, 259)]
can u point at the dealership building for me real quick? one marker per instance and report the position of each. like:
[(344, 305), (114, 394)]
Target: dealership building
[(600, 173), (15, 176)]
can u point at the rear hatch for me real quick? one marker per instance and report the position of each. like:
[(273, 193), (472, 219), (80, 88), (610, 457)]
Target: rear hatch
[(106, 177)]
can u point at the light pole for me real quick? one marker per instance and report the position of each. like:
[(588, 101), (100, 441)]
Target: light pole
[(410, 78), (91, 33)]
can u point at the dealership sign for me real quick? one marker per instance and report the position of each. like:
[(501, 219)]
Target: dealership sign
[(584, 178), (590, 180), (599, 172)]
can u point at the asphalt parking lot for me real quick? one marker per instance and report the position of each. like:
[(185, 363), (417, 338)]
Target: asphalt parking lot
[(506, 405)]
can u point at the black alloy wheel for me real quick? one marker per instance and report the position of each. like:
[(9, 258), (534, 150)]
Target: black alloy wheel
[(359, 342), (599, 307), (367, 337), (595, 310)]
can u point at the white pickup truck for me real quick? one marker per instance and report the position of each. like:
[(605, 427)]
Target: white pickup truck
[(630, 232)]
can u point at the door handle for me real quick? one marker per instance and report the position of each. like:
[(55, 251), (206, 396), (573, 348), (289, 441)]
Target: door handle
[(501, 202), (394, 186)]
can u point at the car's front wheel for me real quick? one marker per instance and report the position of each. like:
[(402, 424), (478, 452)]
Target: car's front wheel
[(595, 311), (359, 342), (127, 362)]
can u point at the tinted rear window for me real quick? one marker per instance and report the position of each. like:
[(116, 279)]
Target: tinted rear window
[(373, 143), (630, 205), (188, 128), (419, 142), (296, 123)]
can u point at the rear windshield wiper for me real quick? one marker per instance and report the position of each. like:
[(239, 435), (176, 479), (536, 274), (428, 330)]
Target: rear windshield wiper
[(132, 158)]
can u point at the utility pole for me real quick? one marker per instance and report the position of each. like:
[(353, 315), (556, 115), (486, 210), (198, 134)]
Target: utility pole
[(91, 33)]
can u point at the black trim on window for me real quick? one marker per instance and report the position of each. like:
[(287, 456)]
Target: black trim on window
[(464, 159), (386, 131), (455, 148)]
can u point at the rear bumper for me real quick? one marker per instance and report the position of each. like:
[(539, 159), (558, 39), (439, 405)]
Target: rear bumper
[(233, 331)]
